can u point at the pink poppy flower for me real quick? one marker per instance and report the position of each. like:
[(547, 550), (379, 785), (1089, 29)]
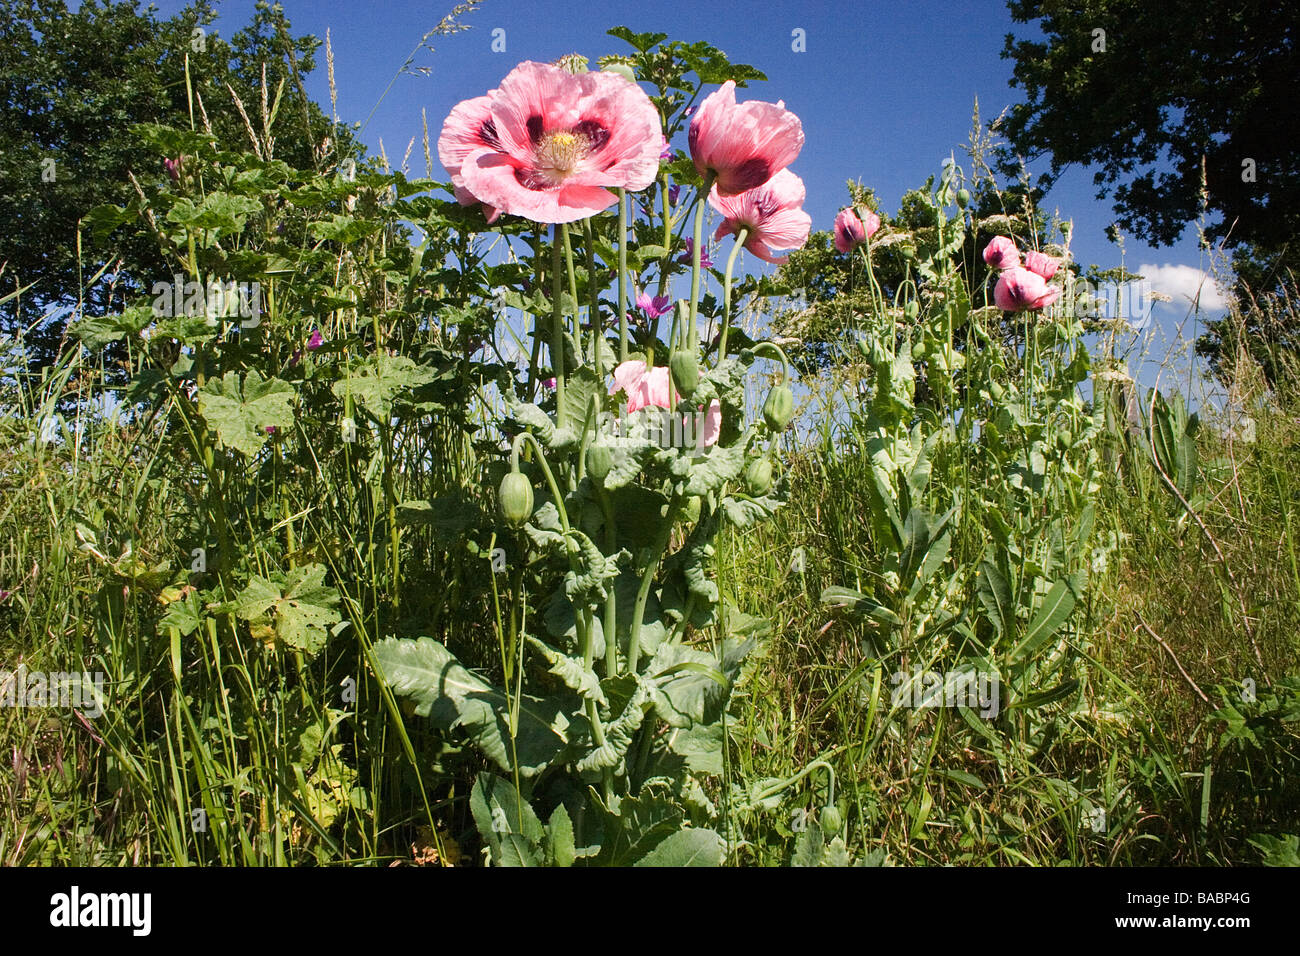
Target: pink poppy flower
[(745, 144), (316, 340), (470, 127), (556, 141), (1019, 289), (644, 386), (1001, 253), (771, 213), (851, 231), (1041, 264)]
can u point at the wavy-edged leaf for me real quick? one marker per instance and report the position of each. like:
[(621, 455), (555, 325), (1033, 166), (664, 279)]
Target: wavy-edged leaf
[(442, 689)]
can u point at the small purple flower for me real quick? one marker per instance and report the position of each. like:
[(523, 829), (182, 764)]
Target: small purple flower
[(654, 307), (689, 111), (173, 167), (295, 358), (667, 151), (673, 192), (549, 383), (686, 257), (4, 595), (270, 429), (316, 340)]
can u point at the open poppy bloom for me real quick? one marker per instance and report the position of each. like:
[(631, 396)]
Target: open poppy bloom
[(549, 145), (1019, 289), (469, 127), (851, 230), (1041, 264), (771, 213), (647, 387), (1001, 253), (744, 144)]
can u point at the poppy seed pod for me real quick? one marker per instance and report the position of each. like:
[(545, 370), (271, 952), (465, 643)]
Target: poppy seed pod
[(758, 477), (516, 499), (779, 408), (685, 370), (600, 460)]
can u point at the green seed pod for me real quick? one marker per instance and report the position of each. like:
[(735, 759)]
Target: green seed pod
[(516, 499), (685, 370), (963, 198), (758, 477), (831, 821), (600, 459), (779, 408), (691, 510)]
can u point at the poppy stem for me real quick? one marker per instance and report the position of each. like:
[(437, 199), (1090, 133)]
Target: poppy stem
[(557, 327), (622, 275), (697, 247), (741, 236)]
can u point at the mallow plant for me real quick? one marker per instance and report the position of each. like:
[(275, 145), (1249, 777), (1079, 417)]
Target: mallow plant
[(625, 450)]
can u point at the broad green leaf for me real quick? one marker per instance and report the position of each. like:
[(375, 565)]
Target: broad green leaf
[(97, 331), (377, 382), (694, 846), (640, 825), (1056, 607), (572, 670), (507, 824), (443, 690), (994, 593), (240, 414), (618, 734), (559, 837)]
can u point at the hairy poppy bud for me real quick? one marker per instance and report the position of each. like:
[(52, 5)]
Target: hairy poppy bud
[(831, 821)]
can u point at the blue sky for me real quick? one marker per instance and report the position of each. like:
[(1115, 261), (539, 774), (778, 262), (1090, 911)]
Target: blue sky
[(885, 91)]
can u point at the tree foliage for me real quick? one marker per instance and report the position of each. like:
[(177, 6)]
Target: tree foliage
[(72, 84)]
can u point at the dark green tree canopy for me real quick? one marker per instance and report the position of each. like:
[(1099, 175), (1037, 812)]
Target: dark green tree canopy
[(1168, 89), (72, 85)]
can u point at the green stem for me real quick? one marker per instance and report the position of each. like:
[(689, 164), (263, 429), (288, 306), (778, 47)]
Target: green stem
[(697, 246), (726, 291), (557, 329), (622, 275), (593, 310), (643, 593)]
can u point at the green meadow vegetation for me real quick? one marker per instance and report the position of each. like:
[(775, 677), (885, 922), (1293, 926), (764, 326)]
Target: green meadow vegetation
[(369, 580)]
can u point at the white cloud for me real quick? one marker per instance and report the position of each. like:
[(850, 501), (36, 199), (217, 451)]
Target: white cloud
[(1183, 284)]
